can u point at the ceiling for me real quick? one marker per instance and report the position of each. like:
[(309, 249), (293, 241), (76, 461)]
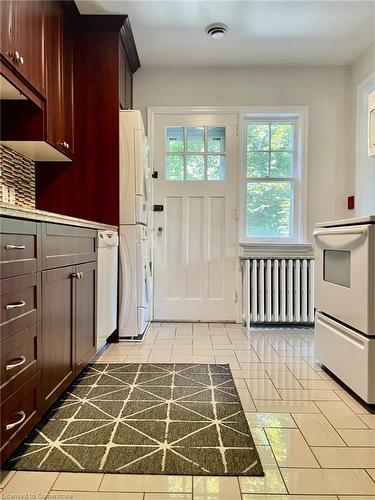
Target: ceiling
[(171, 33)]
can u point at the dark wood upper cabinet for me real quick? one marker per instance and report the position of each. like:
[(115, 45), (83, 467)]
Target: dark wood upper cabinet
[(53, 53), (104, 60), (59, 76), (67, 86), (29, 41), (43, 32), (125, 79), (6, 29), (22, 39), (128, 64)]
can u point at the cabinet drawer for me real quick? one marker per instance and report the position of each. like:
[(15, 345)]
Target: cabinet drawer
[(19, 359), (20, 303), (346, 353), (67, 245), (19, 414), (20, 247)]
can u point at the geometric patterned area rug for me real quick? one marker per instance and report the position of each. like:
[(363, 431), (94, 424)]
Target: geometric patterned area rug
[(144, 419)]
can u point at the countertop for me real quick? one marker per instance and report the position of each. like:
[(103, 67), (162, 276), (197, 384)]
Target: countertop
[(42, 216)]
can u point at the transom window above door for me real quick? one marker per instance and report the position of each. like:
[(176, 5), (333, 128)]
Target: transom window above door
[(195, 153)]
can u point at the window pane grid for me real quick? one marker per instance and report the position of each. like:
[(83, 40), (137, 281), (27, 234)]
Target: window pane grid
[(270, 178), (270, 148), (200, 150)]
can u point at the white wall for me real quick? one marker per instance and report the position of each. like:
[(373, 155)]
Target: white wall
[(324, 89), (363, 168)]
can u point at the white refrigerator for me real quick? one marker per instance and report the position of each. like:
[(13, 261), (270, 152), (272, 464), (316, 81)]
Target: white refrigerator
[(135, 256)]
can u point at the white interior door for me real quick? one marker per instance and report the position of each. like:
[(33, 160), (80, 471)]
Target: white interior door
[(195, 236)]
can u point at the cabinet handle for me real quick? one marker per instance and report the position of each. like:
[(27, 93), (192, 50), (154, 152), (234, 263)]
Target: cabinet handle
[(75, 275), (67, 145), (18, 363), (80, 276), (20, 59), (19, 422), (15, 247), (21, 303)]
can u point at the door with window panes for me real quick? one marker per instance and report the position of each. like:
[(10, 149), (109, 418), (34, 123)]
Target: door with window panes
[(195, 234)]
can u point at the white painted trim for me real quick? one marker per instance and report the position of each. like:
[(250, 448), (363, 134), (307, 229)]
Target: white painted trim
[(211, 110), (363, 89), (301, 115), (151, 112)]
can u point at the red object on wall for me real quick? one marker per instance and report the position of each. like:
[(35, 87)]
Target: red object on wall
[(351, 203)]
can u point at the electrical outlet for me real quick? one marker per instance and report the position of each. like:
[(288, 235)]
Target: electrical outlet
[(12, 196), (5, 193)]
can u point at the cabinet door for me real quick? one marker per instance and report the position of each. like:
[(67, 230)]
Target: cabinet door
[(125, 80), (6, 29), (53, 56), (67, 86), (57, 332), (85, 331), (28, 41)]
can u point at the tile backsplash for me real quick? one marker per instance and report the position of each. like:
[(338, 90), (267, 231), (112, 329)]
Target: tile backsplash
[(17, 179)]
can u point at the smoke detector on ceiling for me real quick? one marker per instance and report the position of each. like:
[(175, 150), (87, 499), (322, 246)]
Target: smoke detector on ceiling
[(216, 30)]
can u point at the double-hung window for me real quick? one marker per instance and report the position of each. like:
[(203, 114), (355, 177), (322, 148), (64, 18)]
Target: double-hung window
[(273, 198)]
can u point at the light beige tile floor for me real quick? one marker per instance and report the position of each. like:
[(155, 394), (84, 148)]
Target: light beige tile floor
[(316, 441)]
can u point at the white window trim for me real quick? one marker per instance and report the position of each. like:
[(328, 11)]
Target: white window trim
[(300, 115)]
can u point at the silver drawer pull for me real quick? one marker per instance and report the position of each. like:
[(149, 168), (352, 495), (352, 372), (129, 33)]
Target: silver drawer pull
[(15, 247), (21, 361), (21, 303), (19, 422), (78, 276)]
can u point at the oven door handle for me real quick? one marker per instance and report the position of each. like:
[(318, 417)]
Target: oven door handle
[(359, 233), (332, 232)]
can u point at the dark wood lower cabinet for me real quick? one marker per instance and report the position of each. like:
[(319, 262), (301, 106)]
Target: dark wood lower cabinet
[(57, 332), (85, 315), (19, 413), (48, 330), (68, 331)]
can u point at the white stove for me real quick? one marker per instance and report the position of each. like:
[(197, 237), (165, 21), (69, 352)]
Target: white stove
[(345, 301)]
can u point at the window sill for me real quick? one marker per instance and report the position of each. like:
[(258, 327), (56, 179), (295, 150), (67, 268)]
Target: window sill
[(276, 249)]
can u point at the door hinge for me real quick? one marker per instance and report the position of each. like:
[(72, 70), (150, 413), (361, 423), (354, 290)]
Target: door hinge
[(235, 297), (237, 129), (236, 214)]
